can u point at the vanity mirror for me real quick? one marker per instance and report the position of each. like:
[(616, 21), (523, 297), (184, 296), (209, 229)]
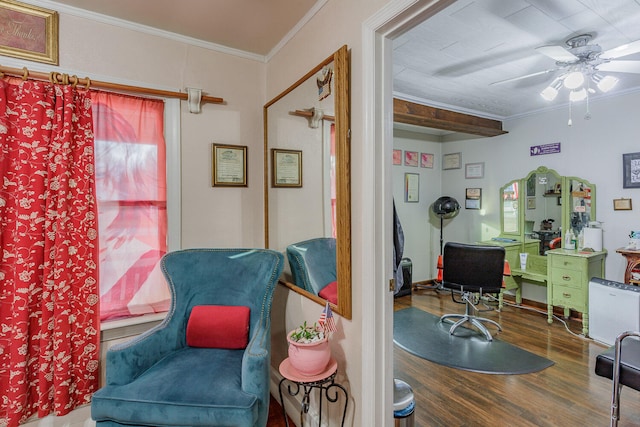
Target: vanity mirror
[(547, 207), (543, 205), (306, 142), (535, 213)]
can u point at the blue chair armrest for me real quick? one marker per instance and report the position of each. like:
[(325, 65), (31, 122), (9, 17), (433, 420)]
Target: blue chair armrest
[(256, 362), (126, 361)]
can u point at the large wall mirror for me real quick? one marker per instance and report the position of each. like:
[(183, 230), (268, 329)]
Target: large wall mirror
[(307, 183), (543, 205)]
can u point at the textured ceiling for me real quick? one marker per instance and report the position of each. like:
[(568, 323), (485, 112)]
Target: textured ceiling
[(451, 59)]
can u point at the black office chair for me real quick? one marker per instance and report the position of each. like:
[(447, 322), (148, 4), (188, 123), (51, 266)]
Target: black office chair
[(471, 271), (621, 363)]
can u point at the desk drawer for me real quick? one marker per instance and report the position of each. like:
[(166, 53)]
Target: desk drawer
[(572, 263), (569, 297), (565, 277)]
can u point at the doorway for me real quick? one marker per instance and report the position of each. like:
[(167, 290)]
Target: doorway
[(378, 33)]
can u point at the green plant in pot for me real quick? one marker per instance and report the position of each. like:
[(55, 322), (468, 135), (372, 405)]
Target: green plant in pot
[(309, 350)]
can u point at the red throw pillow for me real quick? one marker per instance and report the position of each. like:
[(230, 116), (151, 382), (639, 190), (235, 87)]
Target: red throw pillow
[(330, 293), (218, 326)]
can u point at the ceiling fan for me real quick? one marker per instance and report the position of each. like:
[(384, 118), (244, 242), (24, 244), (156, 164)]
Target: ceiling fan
[(580, 64)]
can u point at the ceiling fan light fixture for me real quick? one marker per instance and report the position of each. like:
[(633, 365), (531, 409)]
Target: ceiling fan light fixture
[(606, 83), (549, 93), (573, 80), (577, 95)]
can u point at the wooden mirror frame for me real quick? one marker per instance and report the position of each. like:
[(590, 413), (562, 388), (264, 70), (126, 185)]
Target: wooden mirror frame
[(341, 94)]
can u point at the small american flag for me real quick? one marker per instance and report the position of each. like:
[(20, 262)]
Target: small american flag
[(327, 321)]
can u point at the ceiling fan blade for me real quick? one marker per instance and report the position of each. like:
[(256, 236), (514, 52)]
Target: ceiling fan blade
[(557, 53), (513, 79), (620, 66), (623, 50)]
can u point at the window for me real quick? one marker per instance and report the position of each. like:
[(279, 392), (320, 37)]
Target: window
[(132, 204)]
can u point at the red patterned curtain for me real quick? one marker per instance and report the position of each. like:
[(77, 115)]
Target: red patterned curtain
[(49, 325)]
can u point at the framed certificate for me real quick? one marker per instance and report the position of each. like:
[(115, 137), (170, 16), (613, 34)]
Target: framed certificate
[(473, 198), (621, 204), (229, 166), (286, 168), (452, 161), (474, 170)]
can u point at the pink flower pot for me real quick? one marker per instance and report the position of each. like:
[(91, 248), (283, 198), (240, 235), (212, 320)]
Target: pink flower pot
[(309, 359)]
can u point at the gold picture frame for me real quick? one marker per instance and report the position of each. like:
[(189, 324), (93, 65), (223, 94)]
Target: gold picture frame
[(229, 165), (621, 204), (28, 32), (286, 168)]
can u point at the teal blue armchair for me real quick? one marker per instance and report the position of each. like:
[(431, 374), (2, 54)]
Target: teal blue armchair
[(313, 263), (161, 379)]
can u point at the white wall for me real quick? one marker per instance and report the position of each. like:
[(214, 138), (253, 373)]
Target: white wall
[(590, 149), (421, 230), (338, 23), (211, 217)]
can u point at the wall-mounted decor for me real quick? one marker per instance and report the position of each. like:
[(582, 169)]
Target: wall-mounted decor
[(473, 198), (28, 32), (411, 187), (286, 168), (538, 150), (531, 185), (229, 166), (323, 82), (397, 157), (411, 158), (631, 170), (452, 161), (426, 160), (531, 202), (474, 170), (621, 204)]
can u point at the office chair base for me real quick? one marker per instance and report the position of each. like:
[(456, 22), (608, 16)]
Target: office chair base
[(434, 285), (475, 321)]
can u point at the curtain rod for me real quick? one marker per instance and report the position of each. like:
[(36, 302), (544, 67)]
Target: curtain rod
[(56, 77)]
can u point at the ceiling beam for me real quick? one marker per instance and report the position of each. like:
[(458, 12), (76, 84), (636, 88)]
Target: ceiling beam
[(422, 115)]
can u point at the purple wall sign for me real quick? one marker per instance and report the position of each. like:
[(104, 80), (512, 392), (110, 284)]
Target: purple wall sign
[(538, 150)]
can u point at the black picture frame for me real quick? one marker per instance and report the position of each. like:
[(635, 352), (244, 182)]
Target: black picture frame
[(473, 198), (631, 170)]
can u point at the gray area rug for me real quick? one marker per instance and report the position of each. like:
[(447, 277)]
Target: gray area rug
[(423, 335)]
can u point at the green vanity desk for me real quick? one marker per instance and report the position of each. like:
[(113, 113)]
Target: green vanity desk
[(512, 251), (569, 273), (544, 201)]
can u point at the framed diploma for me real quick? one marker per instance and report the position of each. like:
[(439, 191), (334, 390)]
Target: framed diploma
[(621, 204), (286, 168), (452, 161), (229, 166), (474, 170)]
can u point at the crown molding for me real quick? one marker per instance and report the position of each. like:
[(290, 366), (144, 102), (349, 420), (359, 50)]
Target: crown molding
[(105, 19)]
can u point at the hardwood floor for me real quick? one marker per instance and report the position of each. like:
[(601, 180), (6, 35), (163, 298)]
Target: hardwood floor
[(567, 394), (276, 419)]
